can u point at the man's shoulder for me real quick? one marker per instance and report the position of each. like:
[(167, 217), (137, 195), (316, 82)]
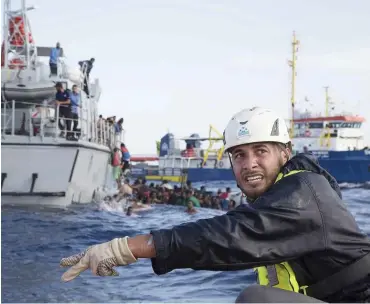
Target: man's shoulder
[(304, 178), (315, 181), (295, 191)]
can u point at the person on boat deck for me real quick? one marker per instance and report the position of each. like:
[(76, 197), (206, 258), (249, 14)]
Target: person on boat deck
[(116, 165), (53, 59), (88, 65), (296, 230), (100, 125), (75, 102), (118, 126), (63, 100)]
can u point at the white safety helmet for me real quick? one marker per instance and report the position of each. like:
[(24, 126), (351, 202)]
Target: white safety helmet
[(255, 125)]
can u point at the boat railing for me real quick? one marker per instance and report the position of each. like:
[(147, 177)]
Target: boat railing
[(188, 162), (85, 76), (35, 120)]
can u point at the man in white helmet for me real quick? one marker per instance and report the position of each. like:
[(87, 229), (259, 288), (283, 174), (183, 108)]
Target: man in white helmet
[(296, 232)]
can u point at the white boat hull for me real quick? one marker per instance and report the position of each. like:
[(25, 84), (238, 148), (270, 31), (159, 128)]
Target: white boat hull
[(51, 173)]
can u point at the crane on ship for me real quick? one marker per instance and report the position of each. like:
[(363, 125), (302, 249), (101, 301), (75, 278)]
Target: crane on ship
[(292, 64), (214, 136)]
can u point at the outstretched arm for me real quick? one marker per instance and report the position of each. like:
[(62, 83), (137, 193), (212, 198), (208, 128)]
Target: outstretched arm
[(142, 246), (283, 224)]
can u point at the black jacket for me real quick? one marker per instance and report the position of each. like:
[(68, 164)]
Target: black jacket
[(300, 219)]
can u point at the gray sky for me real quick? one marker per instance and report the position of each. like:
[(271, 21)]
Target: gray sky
[(182, 65)]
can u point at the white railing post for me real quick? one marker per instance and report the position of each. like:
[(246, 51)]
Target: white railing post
[(94, 125), (30, 122), (57, 122), (42, 123), (4, 117), (101, 132), (13, 116)]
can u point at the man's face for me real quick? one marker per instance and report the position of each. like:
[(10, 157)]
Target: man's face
[(256, 166), (75, 89)]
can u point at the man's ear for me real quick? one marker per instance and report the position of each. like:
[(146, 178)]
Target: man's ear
[(289, 150), (285, 155)]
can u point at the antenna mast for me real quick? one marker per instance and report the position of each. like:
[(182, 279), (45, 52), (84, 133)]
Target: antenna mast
[(327, 101), (292, 64), (18, 40)]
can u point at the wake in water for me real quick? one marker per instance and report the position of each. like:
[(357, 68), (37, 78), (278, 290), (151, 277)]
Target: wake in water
[(343, 186), (127, 206)]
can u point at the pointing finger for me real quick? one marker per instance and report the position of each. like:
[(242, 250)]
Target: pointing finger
[(75, 270), (72, 260)]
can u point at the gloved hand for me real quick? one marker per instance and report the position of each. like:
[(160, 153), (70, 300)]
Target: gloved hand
[(100, 259)]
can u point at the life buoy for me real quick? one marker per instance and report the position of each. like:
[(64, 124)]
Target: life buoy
[(188, 153), (220, 164), (16, 63)]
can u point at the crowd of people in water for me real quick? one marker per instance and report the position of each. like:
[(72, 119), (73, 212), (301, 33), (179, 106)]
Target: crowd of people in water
[(140, 196)]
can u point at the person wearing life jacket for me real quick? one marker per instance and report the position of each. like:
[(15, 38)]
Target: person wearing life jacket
[(296, 231), (125, 158)]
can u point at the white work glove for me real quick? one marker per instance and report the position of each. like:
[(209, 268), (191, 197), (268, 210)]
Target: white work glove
[(100, 259)]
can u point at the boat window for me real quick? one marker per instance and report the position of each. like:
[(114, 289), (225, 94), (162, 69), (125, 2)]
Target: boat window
[(349, 125), (316, 125), (298, 125), (335, 125)]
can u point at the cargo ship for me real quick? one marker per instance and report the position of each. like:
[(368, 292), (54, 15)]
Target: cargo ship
[(336, 139)]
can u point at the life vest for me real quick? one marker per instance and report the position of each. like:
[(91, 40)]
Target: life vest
[(280, 275)]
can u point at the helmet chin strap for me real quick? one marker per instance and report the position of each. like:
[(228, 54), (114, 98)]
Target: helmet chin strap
[(232, 168)]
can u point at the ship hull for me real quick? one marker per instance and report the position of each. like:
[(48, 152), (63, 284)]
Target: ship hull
[(51, 173)]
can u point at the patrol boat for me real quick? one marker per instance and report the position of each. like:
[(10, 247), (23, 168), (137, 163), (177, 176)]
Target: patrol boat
[(39, 167), (336, 139)]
